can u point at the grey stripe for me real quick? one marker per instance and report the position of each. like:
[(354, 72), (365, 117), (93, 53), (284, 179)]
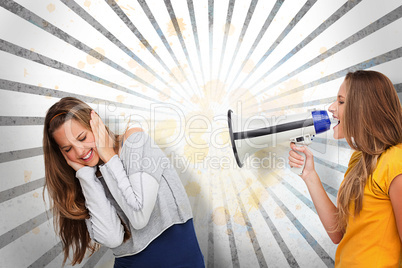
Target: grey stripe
[(264, 28), (50, 28), (306, 7), (25, 153), (398, 88), (311, 103), (211, 34), (330, 190), (21, 189), (299, 195), (336, 143), (173, 18), (229, 229), (38, 58), (386, 57), (101, 29), (299, 105), (327, 163), (330, 164), (95, 257), (42, 91), (225, 38), (37, 121), (120, 13), (211, 244), (195, 32), (20, 154), (373, 27), (345, 8), (21, 121), (250, 230), (24, 228), (303, 231), (48, 257), (279, 240), (158, 30), (250, 12)]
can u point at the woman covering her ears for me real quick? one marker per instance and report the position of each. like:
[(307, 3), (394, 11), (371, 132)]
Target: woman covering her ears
[(367, 222), (116, 191)]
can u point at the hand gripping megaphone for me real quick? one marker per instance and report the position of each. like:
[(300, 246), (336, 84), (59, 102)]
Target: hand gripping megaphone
[(250, 135)]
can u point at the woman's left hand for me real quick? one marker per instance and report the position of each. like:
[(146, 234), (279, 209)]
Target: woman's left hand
[(104, 142)]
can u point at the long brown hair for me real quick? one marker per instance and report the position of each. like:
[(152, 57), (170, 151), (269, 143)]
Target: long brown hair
[(372, 123), (64, 190)]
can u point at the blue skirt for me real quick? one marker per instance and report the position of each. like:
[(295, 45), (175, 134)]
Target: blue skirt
[(175, 247)]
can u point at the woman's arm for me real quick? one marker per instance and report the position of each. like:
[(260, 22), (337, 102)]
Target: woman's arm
[(325, 208), (133, 186), (134, 182), (104, 225), (395, 194), (136, 194)]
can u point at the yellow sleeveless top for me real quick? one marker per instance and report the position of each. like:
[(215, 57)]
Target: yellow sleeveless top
[(371, 238)]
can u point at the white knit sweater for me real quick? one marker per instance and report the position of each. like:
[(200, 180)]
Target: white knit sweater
[(141, 188)]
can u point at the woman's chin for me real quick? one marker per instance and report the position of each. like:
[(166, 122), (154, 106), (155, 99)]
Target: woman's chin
[(337, 136), (94, 162), (338, 133)]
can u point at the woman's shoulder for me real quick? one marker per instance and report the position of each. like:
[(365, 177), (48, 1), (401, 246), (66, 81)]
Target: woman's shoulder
[(390, 161), (132, 132), (131, 138), (393, 154), (389, 165), (136, 138)]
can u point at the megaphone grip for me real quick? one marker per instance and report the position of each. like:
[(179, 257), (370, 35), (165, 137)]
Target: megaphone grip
[(299, 170)]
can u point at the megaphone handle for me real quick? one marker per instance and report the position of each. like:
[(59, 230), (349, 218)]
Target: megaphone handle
[(299, 170)]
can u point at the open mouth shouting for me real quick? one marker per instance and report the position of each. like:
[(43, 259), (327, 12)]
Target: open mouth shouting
[(336, 119)]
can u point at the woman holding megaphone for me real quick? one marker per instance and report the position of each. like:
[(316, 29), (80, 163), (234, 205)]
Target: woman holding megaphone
[(367, 221)]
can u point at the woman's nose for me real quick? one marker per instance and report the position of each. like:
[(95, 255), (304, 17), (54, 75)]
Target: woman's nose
[(332, 107)]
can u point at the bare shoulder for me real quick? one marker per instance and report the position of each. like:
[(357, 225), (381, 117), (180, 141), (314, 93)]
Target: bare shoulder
[(131, 131), (396, 185)]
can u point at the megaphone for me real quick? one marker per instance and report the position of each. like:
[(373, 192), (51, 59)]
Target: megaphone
[(250, 135)]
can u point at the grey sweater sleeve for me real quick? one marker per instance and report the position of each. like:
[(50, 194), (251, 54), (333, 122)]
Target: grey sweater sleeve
[(135, 185), (104, 225)]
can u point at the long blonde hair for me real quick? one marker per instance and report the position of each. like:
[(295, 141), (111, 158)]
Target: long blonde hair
[(66, 197), (372, 123)]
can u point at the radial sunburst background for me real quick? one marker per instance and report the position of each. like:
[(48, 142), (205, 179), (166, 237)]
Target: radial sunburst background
[(175, 67)]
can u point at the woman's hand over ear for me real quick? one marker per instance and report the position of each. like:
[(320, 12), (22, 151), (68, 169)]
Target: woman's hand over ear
[(104, 142)]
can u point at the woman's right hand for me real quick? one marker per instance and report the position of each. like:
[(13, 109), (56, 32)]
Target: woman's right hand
[(76, 166), (296, 160)]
